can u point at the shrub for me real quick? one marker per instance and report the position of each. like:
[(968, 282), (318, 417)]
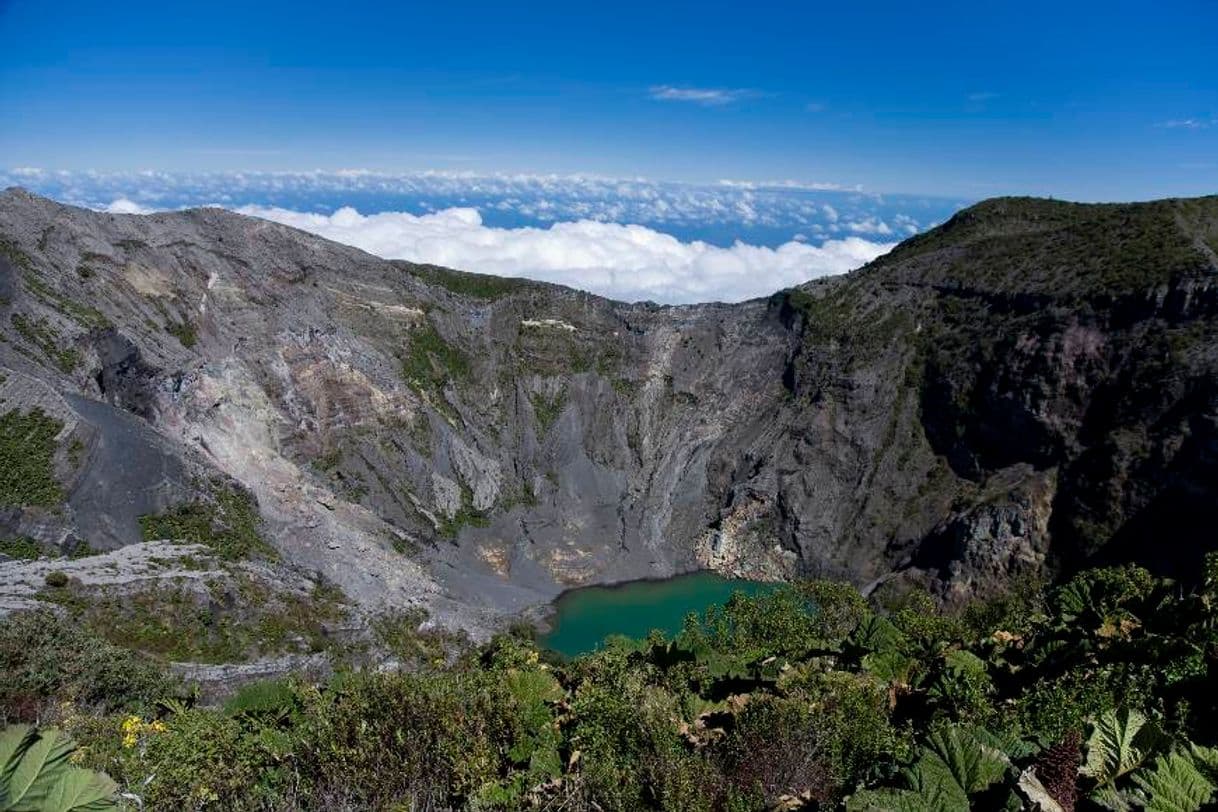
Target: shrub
[(418, 741), (205, 758), (45, 658)]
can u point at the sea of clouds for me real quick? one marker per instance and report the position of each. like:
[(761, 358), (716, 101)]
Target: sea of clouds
[(629, 239)]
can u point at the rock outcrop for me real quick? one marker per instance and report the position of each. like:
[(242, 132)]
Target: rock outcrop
[(1031, 386)]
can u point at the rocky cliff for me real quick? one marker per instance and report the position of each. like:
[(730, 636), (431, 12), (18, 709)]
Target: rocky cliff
[(1030, 386)]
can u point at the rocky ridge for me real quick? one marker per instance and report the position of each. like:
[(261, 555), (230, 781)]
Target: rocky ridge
[(1031, 386)]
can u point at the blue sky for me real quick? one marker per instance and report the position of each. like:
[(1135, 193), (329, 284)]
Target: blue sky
[(1111, 100)]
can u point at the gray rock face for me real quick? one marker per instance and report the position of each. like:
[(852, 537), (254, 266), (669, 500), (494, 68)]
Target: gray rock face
[(475, 445)]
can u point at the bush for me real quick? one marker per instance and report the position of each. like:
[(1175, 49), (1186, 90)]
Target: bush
[(56, 579), (802, 697), (44, 659)]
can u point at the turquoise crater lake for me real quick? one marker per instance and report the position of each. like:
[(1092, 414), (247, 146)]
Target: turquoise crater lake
[(584, 617)]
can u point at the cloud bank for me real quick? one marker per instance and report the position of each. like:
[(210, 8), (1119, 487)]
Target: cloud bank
[(629, 262), (766, 213)]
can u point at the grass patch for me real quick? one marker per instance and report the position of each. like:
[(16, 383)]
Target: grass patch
[(47, 340), (22, 547), (472, 285), (46, 659), (85, 316), (231, 622), (548, 410), (400, 635), (185, 332), (466, 514), (27, 451), (228, 524), (431, 361)]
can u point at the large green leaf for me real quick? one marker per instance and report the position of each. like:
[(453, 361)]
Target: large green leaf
[(1174, 784), (43, 762), (878, 634), (890, 666), (35, 775), (887, 800), (973, 764), (79, 790), (1120, 742), (935, 782), (955, 763), (13, 743)]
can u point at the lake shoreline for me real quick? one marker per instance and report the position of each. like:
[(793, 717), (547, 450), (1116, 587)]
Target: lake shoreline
[(582, 618)]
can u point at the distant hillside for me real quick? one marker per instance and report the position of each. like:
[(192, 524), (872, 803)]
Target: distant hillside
[(1032, 385)]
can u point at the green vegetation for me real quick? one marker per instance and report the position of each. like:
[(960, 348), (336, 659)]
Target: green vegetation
[(473, 285), (230, 621), (228, 523), (548, 409), (430, 364), (841, 317), (184, 331), (466, 514), (1074, 249), (27, 459), (36, 774), (47, 340), (401, 636), (14, 254), (1096, 694), (46, 659), (24, 547), (87, 317), (21, 547)]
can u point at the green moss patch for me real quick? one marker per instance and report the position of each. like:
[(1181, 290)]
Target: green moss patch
[(471, 285), (232, 621), (228, 524), (27, 451), (85, 316), (467, 514), (184, 332), (548, 409), (22, 547), (44, 337)]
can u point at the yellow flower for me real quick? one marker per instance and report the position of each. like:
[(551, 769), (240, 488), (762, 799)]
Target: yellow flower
[(133, 727)]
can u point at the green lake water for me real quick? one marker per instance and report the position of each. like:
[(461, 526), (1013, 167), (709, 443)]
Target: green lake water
[(585, 617)]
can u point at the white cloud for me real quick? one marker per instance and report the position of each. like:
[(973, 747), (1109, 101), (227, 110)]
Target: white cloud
[(718, 211), (628, 262), (124, 206), (1185, 124), (705, 96), (870, 226), (789, 185)]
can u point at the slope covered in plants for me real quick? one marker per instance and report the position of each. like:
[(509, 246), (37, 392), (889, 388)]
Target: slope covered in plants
[(1097, 694)]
